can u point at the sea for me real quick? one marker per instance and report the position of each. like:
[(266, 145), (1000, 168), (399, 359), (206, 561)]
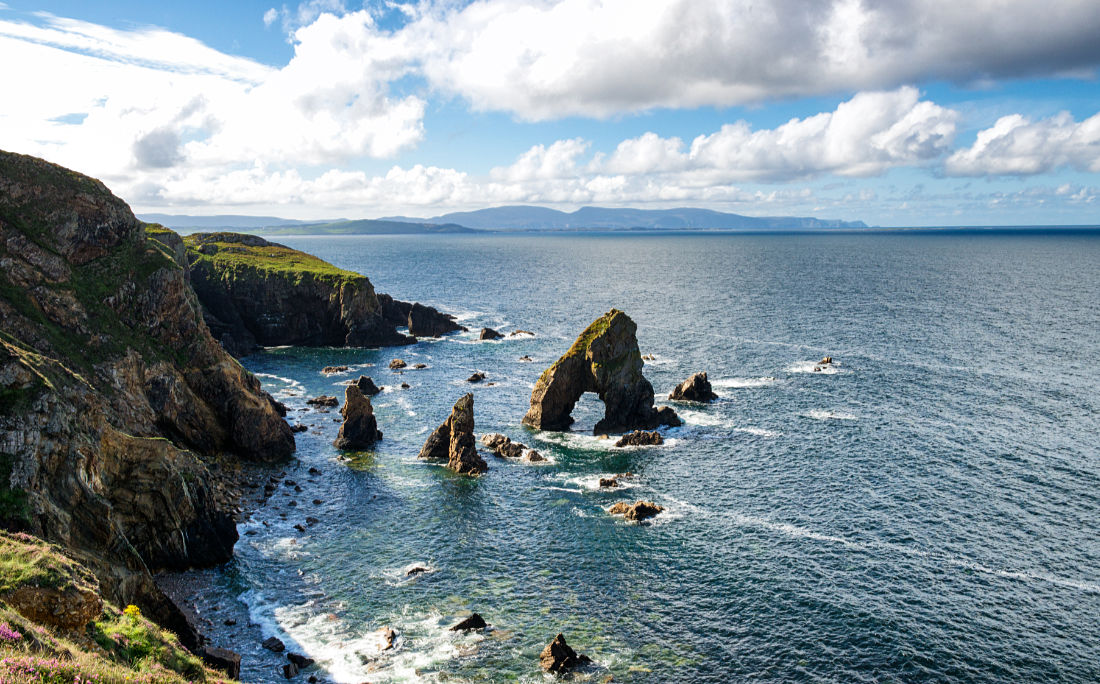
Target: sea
[(924, 509)]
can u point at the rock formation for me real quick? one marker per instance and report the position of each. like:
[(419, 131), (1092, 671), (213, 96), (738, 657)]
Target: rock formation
[(425, 321), (695, 388), (605, 360), (397, 364), (640, 438), (360, 428), (503, 446), (454, 440), (115, 401), (558, 657), (367, 386), (639, 510), (475, 621), (489, 334)]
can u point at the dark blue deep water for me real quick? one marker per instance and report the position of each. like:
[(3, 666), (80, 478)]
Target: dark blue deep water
[(928, 512)]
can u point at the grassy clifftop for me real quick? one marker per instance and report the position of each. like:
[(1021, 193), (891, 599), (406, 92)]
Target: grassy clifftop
[(234, 252), (113, 646)]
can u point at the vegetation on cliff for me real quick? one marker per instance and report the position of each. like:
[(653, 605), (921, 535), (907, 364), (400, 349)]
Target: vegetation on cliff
[(230, 254), (112, 646)]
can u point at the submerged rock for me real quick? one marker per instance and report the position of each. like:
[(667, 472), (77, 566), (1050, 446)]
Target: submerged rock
[(454, 440), (695, 388), (323, 400), (640, 438), (478, 376), (475, 621), (367, 386), (489, 334), (360, 428), (514, 333), (559, 657), (605, 360), (639, 510), (387, 636)]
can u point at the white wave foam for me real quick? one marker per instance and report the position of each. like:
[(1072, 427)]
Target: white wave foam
[(704, 419), (813, 367), (280, 386), (821, 414), (592, 482), (759, 432), (741, 383), (576, 440)]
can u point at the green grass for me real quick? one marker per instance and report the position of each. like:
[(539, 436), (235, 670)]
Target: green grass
[(27, 560), (234, 259)]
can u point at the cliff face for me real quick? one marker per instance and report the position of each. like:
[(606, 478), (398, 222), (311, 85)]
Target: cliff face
[(256, 292), (117, 407)]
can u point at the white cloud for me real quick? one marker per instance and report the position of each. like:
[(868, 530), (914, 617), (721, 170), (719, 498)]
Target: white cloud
[(1015, 145)]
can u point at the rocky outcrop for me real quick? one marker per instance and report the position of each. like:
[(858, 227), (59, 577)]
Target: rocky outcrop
[(640, 438), (116, 404), (605, 360), (425, 321), (454, 440), (475, 621), (489, 334), (639, 510), (367, 386), (360, 428), (695, 388), (559, 657), (503, 447)]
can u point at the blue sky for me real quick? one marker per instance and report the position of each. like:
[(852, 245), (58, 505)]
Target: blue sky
[(911, 112)]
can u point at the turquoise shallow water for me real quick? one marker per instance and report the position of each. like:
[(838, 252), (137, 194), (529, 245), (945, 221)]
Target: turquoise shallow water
[(928, 512)]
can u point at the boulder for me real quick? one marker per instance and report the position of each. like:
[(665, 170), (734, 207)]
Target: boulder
[(420, 366), (397, 364), (323, 400), (475, 621), (290, 670), (667, 416), (526, 358), (330, 370), (367, 386), (274, 644), (558, 657), (300, 660), (533, 456), (695, 388), (609, 482), (425, 321), (639, 510), (489, 334), (605, 360), (223, 659), (454, 440), (521, 332), (827, 361), (360, 428), (298, 427), (476, 377), (640, 438), (503, 446), (387, 636)]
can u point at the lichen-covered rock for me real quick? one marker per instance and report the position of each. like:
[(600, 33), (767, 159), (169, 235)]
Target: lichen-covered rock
[(559, 657), (454, 440), (605, 360), (255, 292), (695, 388), (640, 438), (360, 428)]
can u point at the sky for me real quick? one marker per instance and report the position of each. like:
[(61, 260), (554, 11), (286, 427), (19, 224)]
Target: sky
[(893, 112)]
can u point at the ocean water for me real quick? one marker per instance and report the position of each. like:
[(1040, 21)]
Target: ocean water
[(928, 510)]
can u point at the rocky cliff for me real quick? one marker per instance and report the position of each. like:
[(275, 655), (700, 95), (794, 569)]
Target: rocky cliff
[(604, 359), (258, 293), (118, 410)]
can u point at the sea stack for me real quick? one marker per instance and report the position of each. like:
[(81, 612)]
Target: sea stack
[(559, 657), (605, 359), (360, 428), (695, 388), (454, 440)]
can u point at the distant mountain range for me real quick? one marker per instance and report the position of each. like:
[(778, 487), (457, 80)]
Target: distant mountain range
[(509, 218)]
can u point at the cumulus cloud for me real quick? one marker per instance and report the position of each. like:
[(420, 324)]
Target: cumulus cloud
[(1015, 145)]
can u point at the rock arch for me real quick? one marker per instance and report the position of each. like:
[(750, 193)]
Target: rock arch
[(605, 360)]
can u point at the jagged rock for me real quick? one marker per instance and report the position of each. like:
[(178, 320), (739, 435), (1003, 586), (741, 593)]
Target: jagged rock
[(360, 428), (558, 657), (454, 440), (526, 358), (397, 364), (367, 386), (609, 482), (323, 400), (387, 637), (279, 406), (605, 360), (649, 357), (640, 438), (416, 571), (331, 370), (489, 334), (475, 621), (298, 427), (223, 659), (425, 321), (695, 388), (300, 660), (828, 360), (478, 376), (533, 456), (290, 670), (503, 446), (274, 644), (666, 416), (639, 510), (521, 332)]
